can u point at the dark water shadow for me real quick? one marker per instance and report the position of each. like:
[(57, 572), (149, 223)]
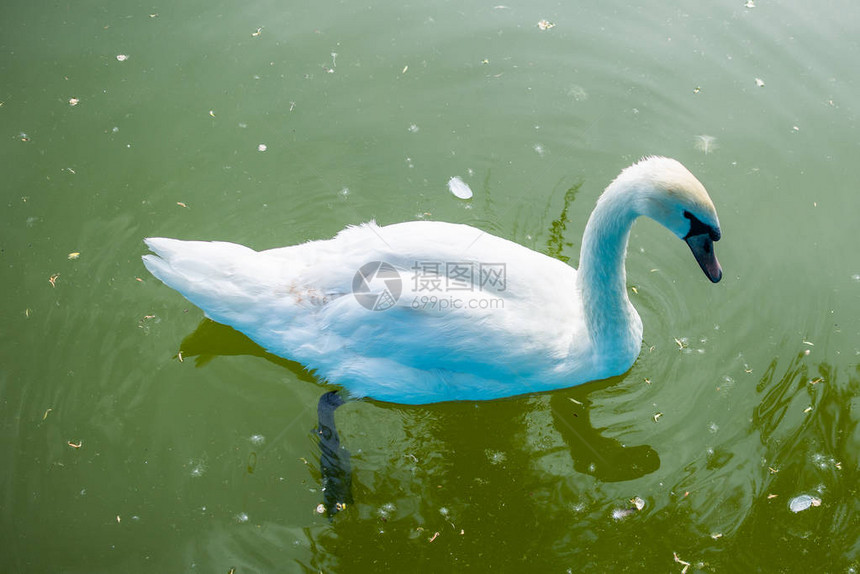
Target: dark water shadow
[(607, 459), (211, 339)]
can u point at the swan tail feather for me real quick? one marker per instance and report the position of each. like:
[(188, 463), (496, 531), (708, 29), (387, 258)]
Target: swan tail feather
[(225, 280)]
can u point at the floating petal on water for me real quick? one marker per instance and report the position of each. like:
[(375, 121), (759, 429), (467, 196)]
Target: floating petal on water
[(459, 188), (803, 502)]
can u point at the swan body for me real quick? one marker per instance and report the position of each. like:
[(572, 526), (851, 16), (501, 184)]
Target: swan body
[(426, 311)]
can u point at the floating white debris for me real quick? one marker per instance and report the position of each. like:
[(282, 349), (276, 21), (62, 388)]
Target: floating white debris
[(706, 144), (621, 513), (74, 101), (385, 510), (686, 565), (759, 82), (803, 502), (198, 468), (545, 25), (495, 456), (578, 93), (750, 4), (459, 188), (413, 128), (824, 462), (257, 439), (262, 147), (121, 57), (242, 517)]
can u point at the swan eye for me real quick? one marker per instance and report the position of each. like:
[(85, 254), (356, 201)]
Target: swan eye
[(699, 228)]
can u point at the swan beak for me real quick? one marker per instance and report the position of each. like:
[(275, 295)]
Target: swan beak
[(702, 247)]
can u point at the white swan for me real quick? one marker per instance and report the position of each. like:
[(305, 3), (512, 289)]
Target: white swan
[(426, 311)]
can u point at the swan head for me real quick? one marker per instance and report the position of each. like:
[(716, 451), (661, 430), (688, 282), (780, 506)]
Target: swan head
[(669, 194)]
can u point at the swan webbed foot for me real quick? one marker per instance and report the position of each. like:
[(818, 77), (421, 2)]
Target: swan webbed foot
[(335, 466)]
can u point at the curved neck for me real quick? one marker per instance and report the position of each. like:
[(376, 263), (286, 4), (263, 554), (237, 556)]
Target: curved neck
[(602, 277)]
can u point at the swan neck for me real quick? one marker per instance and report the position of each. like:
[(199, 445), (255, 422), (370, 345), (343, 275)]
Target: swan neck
[(602, 276)]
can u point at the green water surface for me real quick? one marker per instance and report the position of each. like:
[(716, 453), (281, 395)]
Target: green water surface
[(122, 120)]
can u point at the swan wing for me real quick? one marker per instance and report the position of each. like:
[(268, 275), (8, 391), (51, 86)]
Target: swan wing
[(468, 302)]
